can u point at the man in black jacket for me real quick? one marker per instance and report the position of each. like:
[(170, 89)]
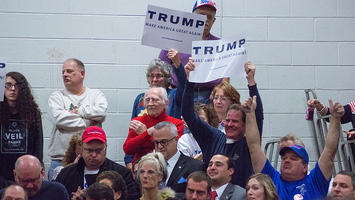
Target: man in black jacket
[(81, 175), (179, 166)]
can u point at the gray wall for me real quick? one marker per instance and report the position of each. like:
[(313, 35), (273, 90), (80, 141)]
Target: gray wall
[(295, 44)]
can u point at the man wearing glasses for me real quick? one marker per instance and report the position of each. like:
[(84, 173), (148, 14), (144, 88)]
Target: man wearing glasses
[(29, 174), (139, 140), (179, 166), (81, 175)]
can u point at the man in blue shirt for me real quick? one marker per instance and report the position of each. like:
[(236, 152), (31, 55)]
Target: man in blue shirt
[(293, 181)]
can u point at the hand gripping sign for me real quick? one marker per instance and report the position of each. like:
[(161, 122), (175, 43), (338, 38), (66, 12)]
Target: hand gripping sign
[(2, 77), (165, 29), (216, 59)]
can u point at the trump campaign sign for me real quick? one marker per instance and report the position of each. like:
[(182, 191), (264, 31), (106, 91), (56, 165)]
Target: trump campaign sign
[(165, 29), (216, 59)]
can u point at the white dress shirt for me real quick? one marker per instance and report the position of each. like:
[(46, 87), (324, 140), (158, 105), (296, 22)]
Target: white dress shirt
[(220, 190), (171, 164)]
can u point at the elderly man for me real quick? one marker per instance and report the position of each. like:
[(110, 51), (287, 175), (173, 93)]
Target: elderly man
[(220, 169), (289, 140), (178, 166), (29, 174), (343, 186), (93, 162), (72, 110), (212, 140), (14, 192), (202, 90), (139, 140), (293, 181), (198, 186), (159, 75)]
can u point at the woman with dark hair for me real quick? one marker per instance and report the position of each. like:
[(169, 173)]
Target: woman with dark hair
[(21, 124), (98, 191), (116, 183)]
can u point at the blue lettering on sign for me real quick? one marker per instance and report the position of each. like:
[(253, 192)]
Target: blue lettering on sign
[(219, 48), (2, 65), (187, 23), (175, 19)]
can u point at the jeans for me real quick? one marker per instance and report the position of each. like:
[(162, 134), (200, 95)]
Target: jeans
[(54, 164)]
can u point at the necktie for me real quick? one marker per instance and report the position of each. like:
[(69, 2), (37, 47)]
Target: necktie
[(213, 195)]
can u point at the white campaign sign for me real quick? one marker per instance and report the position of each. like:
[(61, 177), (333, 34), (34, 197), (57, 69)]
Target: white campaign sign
[(216, 59), (2, 77), (165, 29)]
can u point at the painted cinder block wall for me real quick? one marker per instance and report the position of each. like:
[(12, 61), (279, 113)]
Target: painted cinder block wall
[(295, 44)]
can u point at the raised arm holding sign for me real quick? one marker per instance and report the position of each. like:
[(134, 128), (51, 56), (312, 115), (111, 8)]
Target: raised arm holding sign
[(218, 59)]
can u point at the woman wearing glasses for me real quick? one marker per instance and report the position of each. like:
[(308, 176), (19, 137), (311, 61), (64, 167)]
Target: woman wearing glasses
[(152, 173), (224, 95), (159, 74), (21, 124)]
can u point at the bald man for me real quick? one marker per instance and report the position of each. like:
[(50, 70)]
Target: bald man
[(29, 174), (14, 192)]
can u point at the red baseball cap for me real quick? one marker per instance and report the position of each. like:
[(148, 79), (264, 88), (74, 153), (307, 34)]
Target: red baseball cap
[(94, 133)]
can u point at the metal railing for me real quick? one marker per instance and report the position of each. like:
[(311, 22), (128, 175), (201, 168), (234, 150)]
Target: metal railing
[(319, 129)]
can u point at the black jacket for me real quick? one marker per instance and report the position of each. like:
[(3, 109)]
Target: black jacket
[(34, 144), (72, 176), (182, 169)]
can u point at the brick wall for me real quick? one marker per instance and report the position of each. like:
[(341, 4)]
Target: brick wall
[(295, 44)]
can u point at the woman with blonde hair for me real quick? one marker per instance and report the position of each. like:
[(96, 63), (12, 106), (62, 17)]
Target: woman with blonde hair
[(151, 173), (71, 156), (261, 187)]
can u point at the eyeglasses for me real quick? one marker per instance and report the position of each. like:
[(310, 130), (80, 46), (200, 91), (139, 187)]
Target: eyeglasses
[(163, 142), (9, 85), (24, 182), (97, 151), (222, 98), (157, 76)]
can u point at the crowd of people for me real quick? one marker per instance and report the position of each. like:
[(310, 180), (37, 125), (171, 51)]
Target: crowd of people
[(186, 140)]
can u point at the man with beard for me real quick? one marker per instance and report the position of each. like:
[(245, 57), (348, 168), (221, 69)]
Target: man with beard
[(84, 173)]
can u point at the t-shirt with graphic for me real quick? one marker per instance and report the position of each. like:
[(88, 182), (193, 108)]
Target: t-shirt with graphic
[(19, 137), (313, 186)]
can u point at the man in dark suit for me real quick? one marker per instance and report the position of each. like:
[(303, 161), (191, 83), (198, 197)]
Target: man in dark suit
[(220, 169), (179, 166)]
